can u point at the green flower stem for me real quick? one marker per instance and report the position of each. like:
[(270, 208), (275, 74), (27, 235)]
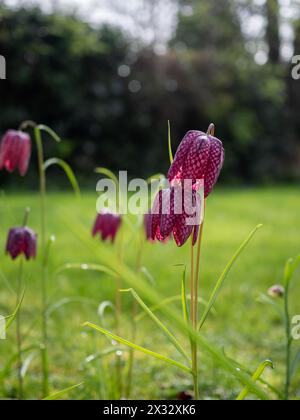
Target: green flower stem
[(118, 305), (18, 331), (133, 314), (42, 176), (194, 309), (288, 343)]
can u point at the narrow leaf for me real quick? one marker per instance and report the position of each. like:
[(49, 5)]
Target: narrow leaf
[(108, 173), (68, 171), (49, 131), (86, 267), (170, 143), (223, 276), (295, 363), (59, 394), (138, 348), (257, 374), (51, 309), (10, 318)]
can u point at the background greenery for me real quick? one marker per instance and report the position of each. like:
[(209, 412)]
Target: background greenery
[(64, 72)]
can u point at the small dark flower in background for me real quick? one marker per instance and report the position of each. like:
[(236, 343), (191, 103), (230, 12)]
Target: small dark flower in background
[(21, 240), (107, 225), (276, 291), (199, 156), (15, 151), (171, 213), (184, 396)]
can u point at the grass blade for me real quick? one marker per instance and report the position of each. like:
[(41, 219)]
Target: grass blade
[(290, 268), (142, 286), (223, 276), (138, 348), (295, 363), (170, 143), (257, 374), (66, 301), (59, 394), (165, 330), (67, 170)]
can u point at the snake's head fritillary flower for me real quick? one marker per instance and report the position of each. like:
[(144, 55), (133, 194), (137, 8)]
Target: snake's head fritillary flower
[(176, 211), (21, 240), (200, 156), (276, 291), (15, 151), (107, 225)]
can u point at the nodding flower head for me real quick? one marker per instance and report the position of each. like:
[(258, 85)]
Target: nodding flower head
[(15, 151), (176, 211), (107, 225), (21, 240), (200, 156)]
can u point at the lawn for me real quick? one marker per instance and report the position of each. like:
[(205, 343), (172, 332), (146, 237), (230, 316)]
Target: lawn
[(245, 329)]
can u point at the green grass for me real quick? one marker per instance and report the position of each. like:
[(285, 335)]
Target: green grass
[(247, 331)]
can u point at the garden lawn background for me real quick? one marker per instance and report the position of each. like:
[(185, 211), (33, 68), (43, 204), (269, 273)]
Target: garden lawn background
[(247, 330)]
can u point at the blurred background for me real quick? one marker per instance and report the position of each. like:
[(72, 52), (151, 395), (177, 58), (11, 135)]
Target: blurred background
[(108, 74)]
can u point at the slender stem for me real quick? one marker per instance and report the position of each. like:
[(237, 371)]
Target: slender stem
[(26, 215), (26, 124), (18, 332), (133, 315), (288, 343), (42, 177), (211, 130)]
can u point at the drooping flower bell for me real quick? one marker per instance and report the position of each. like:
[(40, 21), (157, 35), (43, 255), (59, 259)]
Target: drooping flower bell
[(176, 211), (107, 225), (21, 240), (15, 151), (200, 156)]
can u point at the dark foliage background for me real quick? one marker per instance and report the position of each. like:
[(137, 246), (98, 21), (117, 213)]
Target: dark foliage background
[(67, 74)]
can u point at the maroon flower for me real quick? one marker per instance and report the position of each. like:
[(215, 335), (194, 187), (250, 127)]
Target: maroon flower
[(107, 224), (21, 240), (199, 156), (176, 211), (15, 151)]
